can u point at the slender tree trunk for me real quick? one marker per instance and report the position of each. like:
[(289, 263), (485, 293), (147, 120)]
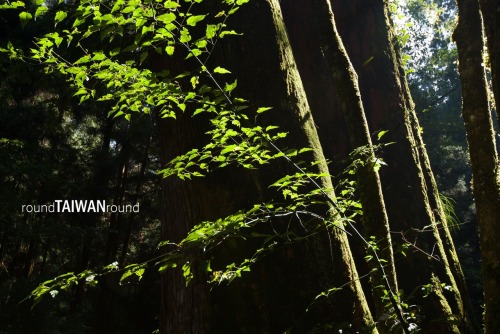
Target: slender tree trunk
[(135, 200), (29, 264), (99, 187), (482, 151), (367, 34), (319, 49), (491, 17), (106, 302)]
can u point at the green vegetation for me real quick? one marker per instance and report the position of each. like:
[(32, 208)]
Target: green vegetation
[(261, 205)]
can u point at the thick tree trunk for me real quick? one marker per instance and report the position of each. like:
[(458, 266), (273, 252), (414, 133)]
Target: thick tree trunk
[(327, 73), (482, 151), (366, 32), (184, 309), (274, 81)]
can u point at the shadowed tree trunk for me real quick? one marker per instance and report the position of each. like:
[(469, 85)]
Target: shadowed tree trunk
[(274, 81), (184, 309), (482, 152), (328, 75), (98, 188)]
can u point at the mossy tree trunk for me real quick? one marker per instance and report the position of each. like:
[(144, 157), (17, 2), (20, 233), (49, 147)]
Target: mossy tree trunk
[(490, 10), (328, 75), (263, 62), (482, 152), (409, 191)]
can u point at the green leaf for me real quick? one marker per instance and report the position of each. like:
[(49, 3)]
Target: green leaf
[(262, 109), (60, 15), (167, 265), (78, 21), (25, 17), (193, 20), (40, 11), (185, 36), (229, 148), (166, 18), (271, 127), (169, 4), (211, 31), (221, 70), (381, 133), (143, 57), (230, 87), (170, 50)]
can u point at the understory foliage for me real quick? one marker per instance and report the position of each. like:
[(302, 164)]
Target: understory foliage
[(106, 51)]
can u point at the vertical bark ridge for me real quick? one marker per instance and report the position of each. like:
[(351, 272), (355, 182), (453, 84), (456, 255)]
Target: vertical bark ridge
[(482, 152)]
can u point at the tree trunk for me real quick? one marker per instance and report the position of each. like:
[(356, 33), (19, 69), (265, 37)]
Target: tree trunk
[(482, 152), (328, 74), (99, 187), (491, 11), (274, 81), (106, 301), (367, 33), (135, 200), (184, 308)]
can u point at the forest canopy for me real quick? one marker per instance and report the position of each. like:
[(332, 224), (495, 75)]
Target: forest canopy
[(249, 166)]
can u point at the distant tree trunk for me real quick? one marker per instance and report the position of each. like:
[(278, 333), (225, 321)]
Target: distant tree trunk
[(327, 72), (29, 264), (368, 36), (482, 151), (98, 188), (135, 200), (491, 17), (105, 303)]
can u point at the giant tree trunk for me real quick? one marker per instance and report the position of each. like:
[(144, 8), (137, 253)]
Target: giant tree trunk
[(327, 75), (408, 190), (184, 309), (306, 267), (482, 151), (273, 80)]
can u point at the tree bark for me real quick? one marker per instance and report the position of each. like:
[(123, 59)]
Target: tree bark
[(490, 10), (274, 81), (184, 308), (370, 42), (325, 67), (482, 152)]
